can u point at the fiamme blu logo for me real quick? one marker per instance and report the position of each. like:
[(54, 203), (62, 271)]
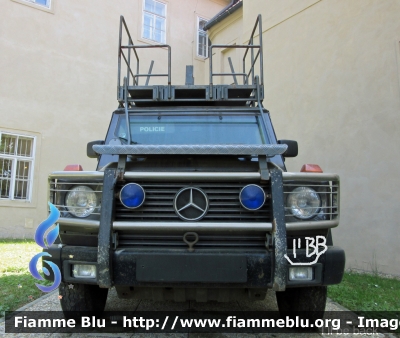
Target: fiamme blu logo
[(45, 235)]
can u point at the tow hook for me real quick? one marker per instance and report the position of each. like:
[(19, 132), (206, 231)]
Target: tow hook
[(190, 241)]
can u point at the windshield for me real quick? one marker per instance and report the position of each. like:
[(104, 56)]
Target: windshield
[(216, 129)]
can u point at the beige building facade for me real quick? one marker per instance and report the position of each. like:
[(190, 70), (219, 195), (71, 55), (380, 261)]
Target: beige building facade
[(58, 62), (332, 82)]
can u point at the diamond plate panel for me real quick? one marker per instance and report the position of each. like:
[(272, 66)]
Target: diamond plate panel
[(269, 150)]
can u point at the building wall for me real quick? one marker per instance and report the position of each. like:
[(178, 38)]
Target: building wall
[(332, 74), (228, 32), (59, 76)]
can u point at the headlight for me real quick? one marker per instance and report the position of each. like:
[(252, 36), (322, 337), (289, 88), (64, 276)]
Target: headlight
[(304, 202), (81, 201)]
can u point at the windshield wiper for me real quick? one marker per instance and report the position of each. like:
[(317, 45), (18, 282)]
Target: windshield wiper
[(126, 141)]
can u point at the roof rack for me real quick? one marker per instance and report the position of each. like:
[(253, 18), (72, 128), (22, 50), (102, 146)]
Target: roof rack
[(132, 92)]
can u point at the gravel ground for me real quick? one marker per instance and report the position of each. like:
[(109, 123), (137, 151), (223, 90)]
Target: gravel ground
[(50, 302)]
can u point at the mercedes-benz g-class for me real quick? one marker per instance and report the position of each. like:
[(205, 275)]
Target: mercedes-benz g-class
[(191, 199)]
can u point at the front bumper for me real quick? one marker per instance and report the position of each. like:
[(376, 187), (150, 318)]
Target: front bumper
[(160, 267)]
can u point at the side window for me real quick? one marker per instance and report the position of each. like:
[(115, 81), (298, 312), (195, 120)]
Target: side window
[(154, 21), (202, 38), (16, 166)]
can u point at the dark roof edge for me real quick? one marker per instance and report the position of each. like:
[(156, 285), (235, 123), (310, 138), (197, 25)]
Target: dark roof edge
[(228, 10)]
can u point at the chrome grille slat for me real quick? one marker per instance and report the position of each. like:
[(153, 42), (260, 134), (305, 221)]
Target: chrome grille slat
[(159, 203), (241, 217), (159, 196), (146, 217), (147, 209), (226, 204), (237, 209), (159, 191)]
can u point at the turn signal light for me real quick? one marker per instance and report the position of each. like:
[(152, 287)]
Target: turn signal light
[(73, 167), (311, 168)]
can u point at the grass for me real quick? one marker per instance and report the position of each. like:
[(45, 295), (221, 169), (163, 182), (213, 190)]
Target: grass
[(369, 295), (365, 292), (17, 286)]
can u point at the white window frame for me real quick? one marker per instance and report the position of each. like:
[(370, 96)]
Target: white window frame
[(14, 158), (48, 8), (155, 15), (48, 3), (199, 18)]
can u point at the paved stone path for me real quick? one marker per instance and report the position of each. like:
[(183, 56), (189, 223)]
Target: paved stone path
[(51, 303)]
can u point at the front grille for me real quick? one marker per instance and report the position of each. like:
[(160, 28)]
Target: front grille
[(205, 241), (223, 198)]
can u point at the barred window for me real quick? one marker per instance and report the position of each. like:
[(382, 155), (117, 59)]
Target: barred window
[(16, 166)]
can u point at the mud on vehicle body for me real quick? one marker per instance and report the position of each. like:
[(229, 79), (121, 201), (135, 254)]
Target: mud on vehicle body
[(191, 199)]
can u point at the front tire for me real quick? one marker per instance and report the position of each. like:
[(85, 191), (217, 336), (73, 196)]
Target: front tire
[(82, 297), (310, 301)]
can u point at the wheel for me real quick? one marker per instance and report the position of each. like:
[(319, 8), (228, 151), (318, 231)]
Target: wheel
[(82, 297), (309, 301)]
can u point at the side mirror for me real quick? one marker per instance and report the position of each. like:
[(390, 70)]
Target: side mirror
[(89, 148), (292, 149)]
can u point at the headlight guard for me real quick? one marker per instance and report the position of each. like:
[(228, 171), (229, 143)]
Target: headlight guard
[(81, 201)]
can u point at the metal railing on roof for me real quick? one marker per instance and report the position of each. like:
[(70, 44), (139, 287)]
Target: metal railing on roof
[(134, 81), (250, 46), (131, 79)]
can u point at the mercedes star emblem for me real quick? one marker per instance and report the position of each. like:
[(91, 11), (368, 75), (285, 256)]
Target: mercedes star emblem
[(191, 204)]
